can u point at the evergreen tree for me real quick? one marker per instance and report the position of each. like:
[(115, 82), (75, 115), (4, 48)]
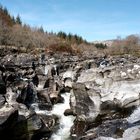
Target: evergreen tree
[(62, 34), (18, 20), (69, 36), (41, 29), (100, 46), (5, 11), (1, 7), (13, 20)]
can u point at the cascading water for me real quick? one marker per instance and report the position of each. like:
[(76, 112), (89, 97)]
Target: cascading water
[(65, 121), (135, 116)]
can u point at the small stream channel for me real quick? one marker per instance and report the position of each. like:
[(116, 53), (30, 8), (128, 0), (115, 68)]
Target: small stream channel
[(66, 122)]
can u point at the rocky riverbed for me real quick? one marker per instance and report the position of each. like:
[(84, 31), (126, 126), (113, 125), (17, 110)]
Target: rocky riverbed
[(68, 97)]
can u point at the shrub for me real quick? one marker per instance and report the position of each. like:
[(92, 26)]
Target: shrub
[(101, 46)]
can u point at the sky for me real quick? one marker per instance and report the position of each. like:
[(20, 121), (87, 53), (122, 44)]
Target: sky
[(94, 20)]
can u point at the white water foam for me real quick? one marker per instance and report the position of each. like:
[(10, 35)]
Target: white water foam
[(65, 121), (135, 116)]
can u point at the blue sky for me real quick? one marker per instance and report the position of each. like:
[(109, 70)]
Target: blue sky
[(91, 19)]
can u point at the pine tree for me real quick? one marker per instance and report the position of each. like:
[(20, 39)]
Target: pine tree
[(13, 20), (5, 11), (41, 29), (18, 20)]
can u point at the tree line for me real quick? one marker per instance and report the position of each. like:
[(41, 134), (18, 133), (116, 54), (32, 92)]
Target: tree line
[(7, 19), (13, 32), (71, 38)]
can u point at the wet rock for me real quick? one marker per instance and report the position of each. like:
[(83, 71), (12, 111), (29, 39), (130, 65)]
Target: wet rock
[(2, 68), (44, 100), (13, 125), (55, 98), (69, 112), (68, 83), (2, 100), (47, 83), (112, 128), (11, 96), (37, 128), (5, 112), (2, 86), (35, 80), (11, 77), (22, 109), (27, 95), (79, 127), (21, 128), (51, 121)]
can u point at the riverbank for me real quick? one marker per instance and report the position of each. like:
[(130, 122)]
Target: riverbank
[(79, 98)]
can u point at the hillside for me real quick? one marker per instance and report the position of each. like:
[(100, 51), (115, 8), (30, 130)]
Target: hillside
[(25, 38), (5, 18)]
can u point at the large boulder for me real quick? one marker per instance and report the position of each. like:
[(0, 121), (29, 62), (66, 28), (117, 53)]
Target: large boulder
[(112, 128), (21, 127), (44, 100), (112, 83), (13, 125), (2, 100), (37, 129), (2, 86), (56, 97), (5, 112), (84, 107), (82, 103), (27, 95), (118, 93), (68, 79)]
